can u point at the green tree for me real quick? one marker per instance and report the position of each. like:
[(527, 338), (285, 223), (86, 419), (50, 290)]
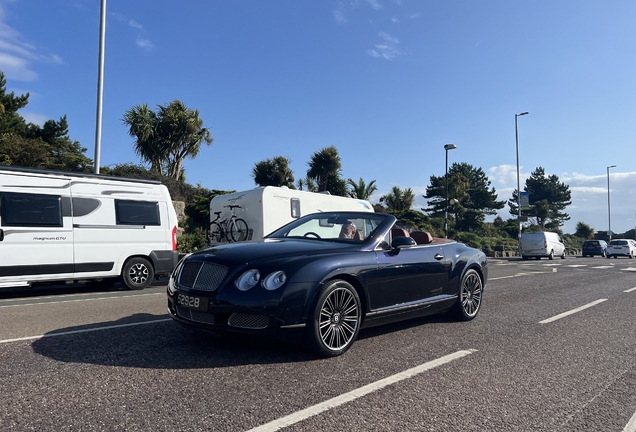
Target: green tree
[(548, 198), (361, 190), (165, 138), (583, 230), (273, 172), (472, 193), (30, 145), (325, 169), (307, 184), (398, 199)]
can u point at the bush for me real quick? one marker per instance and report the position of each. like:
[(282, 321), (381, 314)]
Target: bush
[(193, 241)]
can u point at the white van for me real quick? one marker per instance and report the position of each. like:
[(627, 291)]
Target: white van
[(265, 209), (542, 244), (57, 226)]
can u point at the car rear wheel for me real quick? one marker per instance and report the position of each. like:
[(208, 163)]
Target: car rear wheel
[(335, 321), (470, 292), (137, 273)]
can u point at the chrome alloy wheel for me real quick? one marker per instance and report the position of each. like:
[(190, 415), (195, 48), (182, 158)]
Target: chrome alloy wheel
[(470, 294), (138, 273), (339, 318)]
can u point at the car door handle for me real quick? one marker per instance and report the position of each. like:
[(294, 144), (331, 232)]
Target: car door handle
[(439, 257)]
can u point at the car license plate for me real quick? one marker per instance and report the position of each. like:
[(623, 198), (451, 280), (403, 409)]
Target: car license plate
[(192, 302)]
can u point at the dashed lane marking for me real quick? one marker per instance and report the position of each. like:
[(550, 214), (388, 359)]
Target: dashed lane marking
[(301, 415), (573, 311), (83, 331), (629, 269), (630, 290)]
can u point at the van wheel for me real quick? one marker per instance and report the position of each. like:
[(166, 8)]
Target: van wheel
[(563, 255), (137, 273), (551, 256)]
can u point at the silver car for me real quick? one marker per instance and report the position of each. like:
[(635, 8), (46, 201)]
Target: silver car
[(621, 247)]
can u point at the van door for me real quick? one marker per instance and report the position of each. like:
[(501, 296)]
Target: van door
[(36, 230)]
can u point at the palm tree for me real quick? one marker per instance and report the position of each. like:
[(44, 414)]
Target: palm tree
[(398, 199), (167, 137), (360, 189), (324, 169), (273, 172)]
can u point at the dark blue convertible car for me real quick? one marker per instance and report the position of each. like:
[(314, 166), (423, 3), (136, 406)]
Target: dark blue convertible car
[(325, 276)]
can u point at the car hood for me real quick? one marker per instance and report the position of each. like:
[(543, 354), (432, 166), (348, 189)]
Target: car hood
[(270, 249)]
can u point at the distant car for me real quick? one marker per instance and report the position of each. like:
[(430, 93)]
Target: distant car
[(594, 247), (621, 247), (324, 277)]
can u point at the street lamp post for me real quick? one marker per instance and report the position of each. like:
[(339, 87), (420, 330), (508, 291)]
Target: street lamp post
[(447, 147), (518, 181), (609, 217)]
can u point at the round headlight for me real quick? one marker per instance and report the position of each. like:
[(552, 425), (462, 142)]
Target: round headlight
[(248, 279), (274, 280)]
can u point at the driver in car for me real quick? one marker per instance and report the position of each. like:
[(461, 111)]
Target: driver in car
[(348, 230)]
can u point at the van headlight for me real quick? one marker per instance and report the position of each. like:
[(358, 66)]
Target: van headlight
[(274, 280), (247, 280)]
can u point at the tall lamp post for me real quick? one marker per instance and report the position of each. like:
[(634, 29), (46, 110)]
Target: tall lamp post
[(518, 182), (447, 147), (609, 217)]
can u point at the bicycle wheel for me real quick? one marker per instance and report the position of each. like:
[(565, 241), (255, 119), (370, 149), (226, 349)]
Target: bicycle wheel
[(238, 230), (215, 232)]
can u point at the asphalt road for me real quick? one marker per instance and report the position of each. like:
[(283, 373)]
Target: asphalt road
[(553, 349)]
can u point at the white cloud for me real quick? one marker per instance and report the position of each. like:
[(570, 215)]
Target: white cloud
[(18, 56), (387, 49), (135, 24), (395, 20), (375, 4), (34, 118), (144, 43)]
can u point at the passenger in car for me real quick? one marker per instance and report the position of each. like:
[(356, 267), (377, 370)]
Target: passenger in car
[(348, 230)]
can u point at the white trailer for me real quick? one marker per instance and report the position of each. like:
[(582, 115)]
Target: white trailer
[(265, 209), (59, 226)]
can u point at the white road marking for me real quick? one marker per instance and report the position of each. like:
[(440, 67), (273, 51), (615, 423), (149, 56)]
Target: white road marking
[(630, 290), (358, 393), (79, 300), (629, 269), (603, 267), (517, 275), (83, 331), (631, 426), (579, 309), (577, 265), (550, 265)]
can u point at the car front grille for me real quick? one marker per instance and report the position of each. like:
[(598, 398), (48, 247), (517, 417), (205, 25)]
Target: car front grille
[(248, 321), (202, 276), (197, 316)]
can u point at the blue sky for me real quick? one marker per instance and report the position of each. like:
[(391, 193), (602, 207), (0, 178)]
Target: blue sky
[(387, 82)]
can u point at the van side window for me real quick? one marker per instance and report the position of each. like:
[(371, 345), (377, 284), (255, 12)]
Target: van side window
[(33, 210), (137, 212), (295, 208)]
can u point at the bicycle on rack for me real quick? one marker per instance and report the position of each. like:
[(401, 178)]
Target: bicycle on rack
[(233, 228)]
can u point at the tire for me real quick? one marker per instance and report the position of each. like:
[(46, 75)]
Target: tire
[(470, 292), (563, 254), (334, 322), (551, 256), (238, 230), (137, 273), (215, 232)]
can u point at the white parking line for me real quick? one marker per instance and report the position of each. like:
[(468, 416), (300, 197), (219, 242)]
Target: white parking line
[(83, 331), (603, 267), (79, 300), (577, 265), (631, 426), (579, 309), (630, 290), (629, 269), (358, 393)]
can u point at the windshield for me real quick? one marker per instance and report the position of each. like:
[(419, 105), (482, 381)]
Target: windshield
[(350, 227)]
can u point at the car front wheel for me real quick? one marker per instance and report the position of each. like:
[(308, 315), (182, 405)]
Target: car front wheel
[(137, 273), (335, 321), (470, 292), (551, 256)]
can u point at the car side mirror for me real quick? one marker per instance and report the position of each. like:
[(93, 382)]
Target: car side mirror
[(400, 242)]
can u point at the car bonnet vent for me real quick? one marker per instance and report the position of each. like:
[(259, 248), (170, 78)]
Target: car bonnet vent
[(202, 276)]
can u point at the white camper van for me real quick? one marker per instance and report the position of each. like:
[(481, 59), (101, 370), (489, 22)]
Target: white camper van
[(542, 244), (265, 209), (57, 226)]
